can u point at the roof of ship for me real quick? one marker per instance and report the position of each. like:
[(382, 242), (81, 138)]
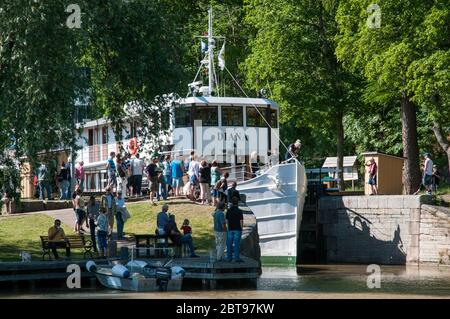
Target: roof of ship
[(214, 100)]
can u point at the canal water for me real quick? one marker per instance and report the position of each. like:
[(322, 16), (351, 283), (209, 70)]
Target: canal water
[(312, 281)]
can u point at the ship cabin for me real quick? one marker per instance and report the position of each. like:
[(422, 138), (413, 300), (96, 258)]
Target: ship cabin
[(236, 132)]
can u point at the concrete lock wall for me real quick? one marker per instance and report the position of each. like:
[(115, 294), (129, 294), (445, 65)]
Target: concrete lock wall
[(384, 229)]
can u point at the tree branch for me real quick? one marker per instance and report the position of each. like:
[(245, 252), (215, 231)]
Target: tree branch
[(443, 142)]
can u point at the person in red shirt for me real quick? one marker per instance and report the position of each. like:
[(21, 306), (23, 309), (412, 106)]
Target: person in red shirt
[(373, 172), (187, 230)]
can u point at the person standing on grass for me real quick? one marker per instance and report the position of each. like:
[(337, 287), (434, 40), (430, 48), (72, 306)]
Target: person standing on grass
[(177, 170), (64, 182), (81, 215), (167, 174), (127, 165), (220, 230), (44, 182), (161, 181), (137, 169), (102, 233), (122, 215), (235, 223), (93, 212), (6, 199), (152, 177), (205, 181), (427, 173), (193, 172), (215, 177), (57, 239), (373, 173), (80, 175), (108, 204), (111, 169), (122, 173)]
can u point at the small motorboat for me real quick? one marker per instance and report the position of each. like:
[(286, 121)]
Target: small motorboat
[(138, 276)]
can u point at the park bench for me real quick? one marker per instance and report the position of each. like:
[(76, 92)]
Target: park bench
[(75, 241), (160, 245)]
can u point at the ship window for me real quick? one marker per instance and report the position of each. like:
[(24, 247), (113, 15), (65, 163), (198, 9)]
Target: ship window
[(182, 117), (207, 114), (232, 116), (273, 118), (254, 118)]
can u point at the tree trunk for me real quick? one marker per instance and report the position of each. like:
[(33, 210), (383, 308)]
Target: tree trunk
[(411, 173), (443, 142), (340, 150)]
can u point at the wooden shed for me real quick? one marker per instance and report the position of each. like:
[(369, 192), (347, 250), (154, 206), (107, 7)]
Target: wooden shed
[(390, 173)]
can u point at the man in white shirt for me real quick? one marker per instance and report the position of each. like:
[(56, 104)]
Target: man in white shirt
[(137, 169), (427, 173), (194, 170)]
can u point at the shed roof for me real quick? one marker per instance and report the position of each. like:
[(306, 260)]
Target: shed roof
[(349, 161)]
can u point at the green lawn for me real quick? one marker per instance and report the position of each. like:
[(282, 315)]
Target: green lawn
[(21, 233), (143, 220)]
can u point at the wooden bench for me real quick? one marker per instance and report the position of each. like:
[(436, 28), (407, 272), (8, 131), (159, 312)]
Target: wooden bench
[(75, 241), (160, 244)]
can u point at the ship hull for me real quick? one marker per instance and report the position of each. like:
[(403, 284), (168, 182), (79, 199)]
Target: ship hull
[(276, 197)]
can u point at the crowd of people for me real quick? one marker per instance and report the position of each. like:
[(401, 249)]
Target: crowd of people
[(205, 182)]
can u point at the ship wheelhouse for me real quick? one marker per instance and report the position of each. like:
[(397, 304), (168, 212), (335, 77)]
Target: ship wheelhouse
[(232, 130)]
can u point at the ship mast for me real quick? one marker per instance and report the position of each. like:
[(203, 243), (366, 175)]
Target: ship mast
[(208, 61), (211, 45)]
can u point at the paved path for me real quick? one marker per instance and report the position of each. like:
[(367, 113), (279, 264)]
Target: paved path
[(67, 216)]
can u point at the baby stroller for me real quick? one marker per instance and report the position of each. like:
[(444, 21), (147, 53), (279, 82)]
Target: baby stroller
[(187, 188)]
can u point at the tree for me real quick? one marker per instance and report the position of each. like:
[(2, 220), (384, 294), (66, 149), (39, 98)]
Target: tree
[(385, 57), (430, 77), (134, 50), (292, 52), (38, 78)]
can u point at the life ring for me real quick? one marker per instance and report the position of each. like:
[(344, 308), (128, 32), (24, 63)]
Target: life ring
[(133, 146)]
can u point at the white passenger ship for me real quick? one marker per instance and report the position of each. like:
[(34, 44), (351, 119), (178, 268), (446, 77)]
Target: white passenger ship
[(239, 132)]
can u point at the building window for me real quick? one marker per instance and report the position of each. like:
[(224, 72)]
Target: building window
[(104, 135), (133, 129), (207, 114), (182, 117), (232, 116)]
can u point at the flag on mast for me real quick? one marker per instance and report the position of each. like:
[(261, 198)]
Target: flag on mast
[(204, 47), (220, 57)]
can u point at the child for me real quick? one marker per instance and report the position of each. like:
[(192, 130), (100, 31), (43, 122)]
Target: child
[(102, 232), (187, 230)]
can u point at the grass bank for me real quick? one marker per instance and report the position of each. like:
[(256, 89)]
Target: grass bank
[(21, 233)]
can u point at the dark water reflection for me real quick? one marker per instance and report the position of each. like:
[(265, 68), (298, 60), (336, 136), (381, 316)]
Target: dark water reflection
[(321, 281)]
